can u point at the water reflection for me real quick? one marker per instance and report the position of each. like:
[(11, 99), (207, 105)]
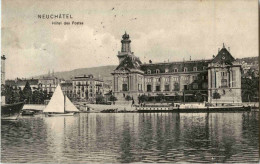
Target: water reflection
[(133, 137)]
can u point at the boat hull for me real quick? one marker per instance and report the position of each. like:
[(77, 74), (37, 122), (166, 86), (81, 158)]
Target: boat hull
[(59, 114), (193, 110), (11, 111)]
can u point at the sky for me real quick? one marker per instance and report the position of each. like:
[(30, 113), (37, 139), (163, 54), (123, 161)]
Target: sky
[(160, 31)]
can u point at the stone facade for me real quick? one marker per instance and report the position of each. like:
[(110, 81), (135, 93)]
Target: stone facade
[(87, 88), (225, 79), (49, 83), (67, 88), (172, 79)]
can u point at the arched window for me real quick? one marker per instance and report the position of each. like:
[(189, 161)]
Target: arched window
[(175, 69), (148, 71), (194, 68), (157, 71), (185, 69), (166, 70)]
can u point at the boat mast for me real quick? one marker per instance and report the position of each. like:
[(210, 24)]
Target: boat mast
[(64, 102)]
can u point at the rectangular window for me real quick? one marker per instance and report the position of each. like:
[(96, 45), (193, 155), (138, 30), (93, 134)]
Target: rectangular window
[(149, 88), (204, 85), (195, 86), (167, 88), (224, 83), (176, 87), (124, 87), (158, 88), (167, 79)]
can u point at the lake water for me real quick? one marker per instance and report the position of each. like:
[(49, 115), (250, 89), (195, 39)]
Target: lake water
[(132, 137)]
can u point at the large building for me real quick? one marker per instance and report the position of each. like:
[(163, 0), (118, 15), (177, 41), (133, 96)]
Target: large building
[(49, 83), (217, 80), (87, 88), (67, 88)]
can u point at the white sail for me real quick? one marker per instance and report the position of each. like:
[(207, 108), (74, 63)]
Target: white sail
[(56, 103), (69, 107)]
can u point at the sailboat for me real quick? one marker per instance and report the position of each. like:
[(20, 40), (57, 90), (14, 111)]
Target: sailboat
[(60, 105)]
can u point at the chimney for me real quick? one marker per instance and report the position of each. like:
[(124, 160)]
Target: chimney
[(150, 61), (229, 49), (218, 49)]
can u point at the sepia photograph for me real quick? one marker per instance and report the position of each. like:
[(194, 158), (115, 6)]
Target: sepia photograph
[(129, 81)]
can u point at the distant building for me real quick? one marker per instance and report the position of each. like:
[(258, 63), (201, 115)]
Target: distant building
[(49, 83), (173, 79), (67, 88), (250, 67), (20, 83), (86, 88), (107, 87)]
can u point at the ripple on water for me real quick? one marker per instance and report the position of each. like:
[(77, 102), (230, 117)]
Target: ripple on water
[(133, 137)]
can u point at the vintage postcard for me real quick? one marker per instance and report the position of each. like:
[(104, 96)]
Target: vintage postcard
[(128, 81)]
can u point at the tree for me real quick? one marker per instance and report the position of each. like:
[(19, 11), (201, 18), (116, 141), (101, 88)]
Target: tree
[(216, 96), (100, 99), (142, 98), (199, 97), (22, 97), (160, 98), (27, 92), (128, 98), (112, 98)]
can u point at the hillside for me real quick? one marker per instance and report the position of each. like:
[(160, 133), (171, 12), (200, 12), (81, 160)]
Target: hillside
[(249, 60), (103, 71)]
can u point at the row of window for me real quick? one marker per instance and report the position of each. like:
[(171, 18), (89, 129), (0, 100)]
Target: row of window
[(185, 69), (167, 79), (176, 87), (86, 82)]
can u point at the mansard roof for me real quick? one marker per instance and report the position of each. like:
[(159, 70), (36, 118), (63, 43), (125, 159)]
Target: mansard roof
[(200, 65), (130, 62), (223, 56)]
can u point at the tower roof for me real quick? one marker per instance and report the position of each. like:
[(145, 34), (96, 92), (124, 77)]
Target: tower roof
[(224, 56), (125, 36)]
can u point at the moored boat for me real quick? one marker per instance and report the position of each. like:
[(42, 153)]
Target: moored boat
[(60, 105), (11, 111), (27, 113), (194, 108)]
